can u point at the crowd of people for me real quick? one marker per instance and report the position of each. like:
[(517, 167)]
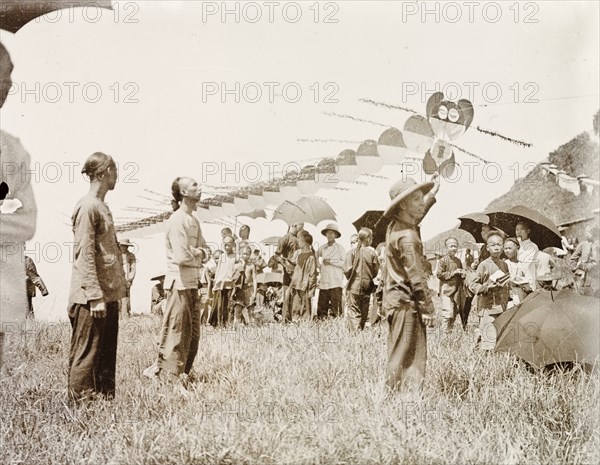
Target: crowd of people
[(221, 287)]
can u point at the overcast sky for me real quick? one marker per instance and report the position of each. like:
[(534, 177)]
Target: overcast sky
[(160, 113)]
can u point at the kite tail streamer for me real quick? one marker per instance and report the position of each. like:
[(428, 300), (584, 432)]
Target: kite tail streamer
[(387, 105), (485, 162), (354, 118), (330, 140), (495, 134)]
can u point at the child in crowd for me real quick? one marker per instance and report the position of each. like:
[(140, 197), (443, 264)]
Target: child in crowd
[(451, 275), (361, 266), (304, 278), (518, 283), (224, 283), (490, 285), (258, 261), (245, 288)]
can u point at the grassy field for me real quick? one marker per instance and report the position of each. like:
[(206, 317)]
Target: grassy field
[(295, 394)]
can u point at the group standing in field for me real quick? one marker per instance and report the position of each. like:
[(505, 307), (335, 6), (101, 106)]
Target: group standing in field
[(362, 283), (220, 287)]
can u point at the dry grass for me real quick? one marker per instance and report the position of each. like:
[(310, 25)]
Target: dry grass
[(295, 394)]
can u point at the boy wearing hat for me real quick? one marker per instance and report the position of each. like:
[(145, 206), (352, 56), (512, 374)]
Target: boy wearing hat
[(129, 267), (158, 295), (406, 299), (330, 257)]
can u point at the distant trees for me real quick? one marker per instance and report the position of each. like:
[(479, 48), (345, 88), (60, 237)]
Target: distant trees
[(578, 156), (596, 122)]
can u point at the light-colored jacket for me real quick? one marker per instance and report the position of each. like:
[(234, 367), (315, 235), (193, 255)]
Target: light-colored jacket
[(15, 229)]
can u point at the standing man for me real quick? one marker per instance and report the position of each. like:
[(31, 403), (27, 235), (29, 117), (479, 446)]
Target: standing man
[(129, 267), (185, 252), (33, 281), (97, 286), (17, 227), (286, 247), (406, 299), (330, 257)]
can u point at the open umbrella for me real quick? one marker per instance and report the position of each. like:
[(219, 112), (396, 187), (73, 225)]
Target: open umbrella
[(370, 219), (472, 223), (15, 14), (543, 230), (543, 331), (269, 277), (305, 210)]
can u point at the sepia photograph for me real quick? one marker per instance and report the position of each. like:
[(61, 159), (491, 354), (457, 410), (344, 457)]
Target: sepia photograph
[(299, 232)]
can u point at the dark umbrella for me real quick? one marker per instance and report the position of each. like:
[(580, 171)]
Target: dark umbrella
[(543, 230), (16, 14), (370, 219), (472, 223), (543, 331)]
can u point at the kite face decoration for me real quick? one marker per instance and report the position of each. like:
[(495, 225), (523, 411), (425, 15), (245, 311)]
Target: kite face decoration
[(446, 121)]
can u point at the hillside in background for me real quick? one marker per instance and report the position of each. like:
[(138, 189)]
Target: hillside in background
[(540, 191)]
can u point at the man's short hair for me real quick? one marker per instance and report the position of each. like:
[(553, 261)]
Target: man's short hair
[(494, 234), (306, 237), (525, 224)]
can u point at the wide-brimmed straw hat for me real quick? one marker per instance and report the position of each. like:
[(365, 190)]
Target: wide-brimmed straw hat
[(158, 276), (331, 227), (125, 242), (401, 189)]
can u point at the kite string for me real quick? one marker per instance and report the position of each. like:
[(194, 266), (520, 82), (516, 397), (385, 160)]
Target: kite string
[(354, 118), (479, 129)]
